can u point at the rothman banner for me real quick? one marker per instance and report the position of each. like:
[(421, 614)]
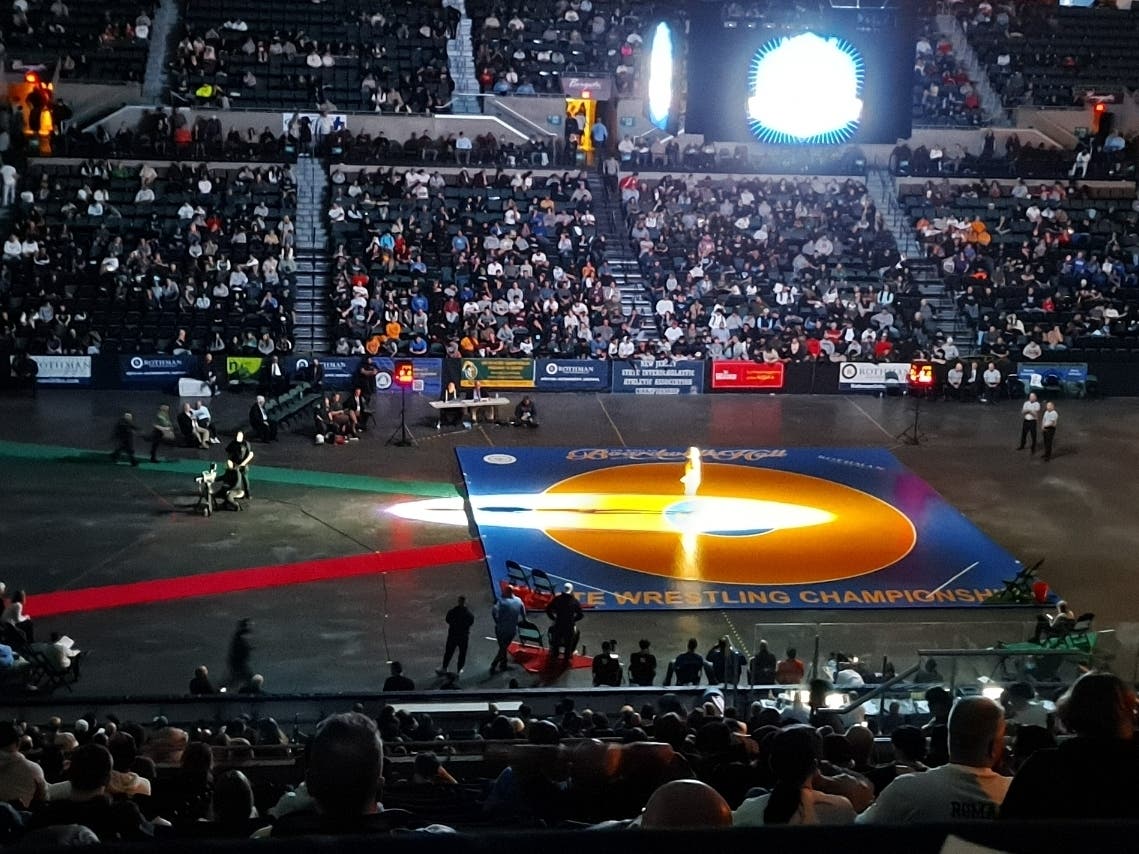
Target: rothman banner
[(571, 375)]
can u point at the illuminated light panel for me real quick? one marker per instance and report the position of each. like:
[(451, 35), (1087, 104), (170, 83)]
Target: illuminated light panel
[(660, 75), (805, 89), (637, 513)]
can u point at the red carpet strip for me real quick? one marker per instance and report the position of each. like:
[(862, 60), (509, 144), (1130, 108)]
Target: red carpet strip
[(255, 578)]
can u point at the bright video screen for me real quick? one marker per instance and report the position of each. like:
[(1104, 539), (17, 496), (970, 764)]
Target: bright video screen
[(842, 76)]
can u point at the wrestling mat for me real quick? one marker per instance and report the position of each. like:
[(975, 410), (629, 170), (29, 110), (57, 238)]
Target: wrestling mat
[(714, 528)]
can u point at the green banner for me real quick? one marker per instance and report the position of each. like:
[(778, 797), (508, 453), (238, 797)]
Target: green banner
[(497, 373), (243, 369)]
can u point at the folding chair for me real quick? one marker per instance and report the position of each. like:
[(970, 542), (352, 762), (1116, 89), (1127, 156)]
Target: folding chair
[(516, 574), (541, 582), (1078, 636), (530, 635)]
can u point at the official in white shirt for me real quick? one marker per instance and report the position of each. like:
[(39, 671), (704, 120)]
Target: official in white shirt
[(1048, 426), (1029, 416)]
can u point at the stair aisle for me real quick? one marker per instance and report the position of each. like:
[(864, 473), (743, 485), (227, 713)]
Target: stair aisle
[(461, 64), (623, 265), (312, 333)]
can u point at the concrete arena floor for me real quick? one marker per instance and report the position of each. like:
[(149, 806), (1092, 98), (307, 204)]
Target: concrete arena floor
[(82, 522)]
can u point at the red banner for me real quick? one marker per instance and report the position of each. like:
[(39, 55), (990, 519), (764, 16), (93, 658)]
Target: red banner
[(746, 375)]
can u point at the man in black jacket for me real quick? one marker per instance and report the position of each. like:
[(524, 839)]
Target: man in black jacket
[(566, 612), (459, 622)]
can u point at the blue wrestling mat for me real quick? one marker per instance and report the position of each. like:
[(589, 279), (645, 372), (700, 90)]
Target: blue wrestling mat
[(675, 528)]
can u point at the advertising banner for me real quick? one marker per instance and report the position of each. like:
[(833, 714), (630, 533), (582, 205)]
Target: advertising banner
[(658, 377), (571, 375), (497, 373), (870, 376), (154, 372), (243, 369), (733, 375), (427, 373), (1034, 374), (338, 370), (72, 371)]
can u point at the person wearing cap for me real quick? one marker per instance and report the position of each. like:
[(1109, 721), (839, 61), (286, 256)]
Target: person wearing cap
[(565, 612)]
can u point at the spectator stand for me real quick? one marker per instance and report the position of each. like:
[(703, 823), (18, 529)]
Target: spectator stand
[(1047, 55), (774, 268), (943, 94), (104, 42), (332, 56), (102, 267), (523, 49), (434, 262), (1038, 271)]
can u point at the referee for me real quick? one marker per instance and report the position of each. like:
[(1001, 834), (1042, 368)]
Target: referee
[(1048, 428)]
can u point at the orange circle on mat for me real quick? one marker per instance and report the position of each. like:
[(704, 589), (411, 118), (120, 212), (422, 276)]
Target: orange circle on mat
[(865, 534)]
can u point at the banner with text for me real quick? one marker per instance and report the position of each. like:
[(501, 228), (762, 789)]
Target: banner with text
[(154, 372), (63, 370), (1034, 374), (658, 377), (571, 375), (497, 373), (733, 375), (871, 376)]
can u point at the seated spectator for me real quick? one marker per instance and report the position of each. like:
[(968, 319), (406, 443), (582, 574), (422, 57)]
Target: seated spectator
[(342, 783), (397, 681), (89, 805), (685, 804), (967, 789), (201, 684), (21, 780), (688, 667), (790, 671), (793, 756), (1091, 776)]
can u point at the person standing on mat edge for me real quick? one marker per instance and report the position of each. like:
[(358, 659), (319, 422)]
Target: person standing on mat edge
[(566, 612), (1048, 428), (1029, 415), (459, 621), (508, 612)]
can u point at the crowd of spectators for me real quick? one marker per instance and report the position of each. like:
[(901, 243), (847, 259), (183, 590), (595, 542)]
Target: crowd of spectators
[(943, 92), (523, 48), (391, 58), (1039, 52), (663, 766), (507, 263), (150, 257), (104, 41), (1038, 271), (765, 269)]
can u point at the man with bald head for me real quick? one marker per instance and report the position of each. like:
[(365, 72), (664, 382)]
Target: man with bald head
[(967, 789), (686, 804)]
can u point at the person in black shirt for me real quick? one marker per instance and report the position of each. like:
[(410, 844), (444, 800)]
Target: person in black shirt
[(240, 454), (459, 622), (642, 665), (606, 667), (124, 439), (762, 667), (201, 683), (688, 667), (566, 612), (397, 681)]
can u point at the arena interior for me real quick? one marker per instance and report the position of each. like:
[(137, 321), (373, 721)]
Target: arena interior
[(552, 335)]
